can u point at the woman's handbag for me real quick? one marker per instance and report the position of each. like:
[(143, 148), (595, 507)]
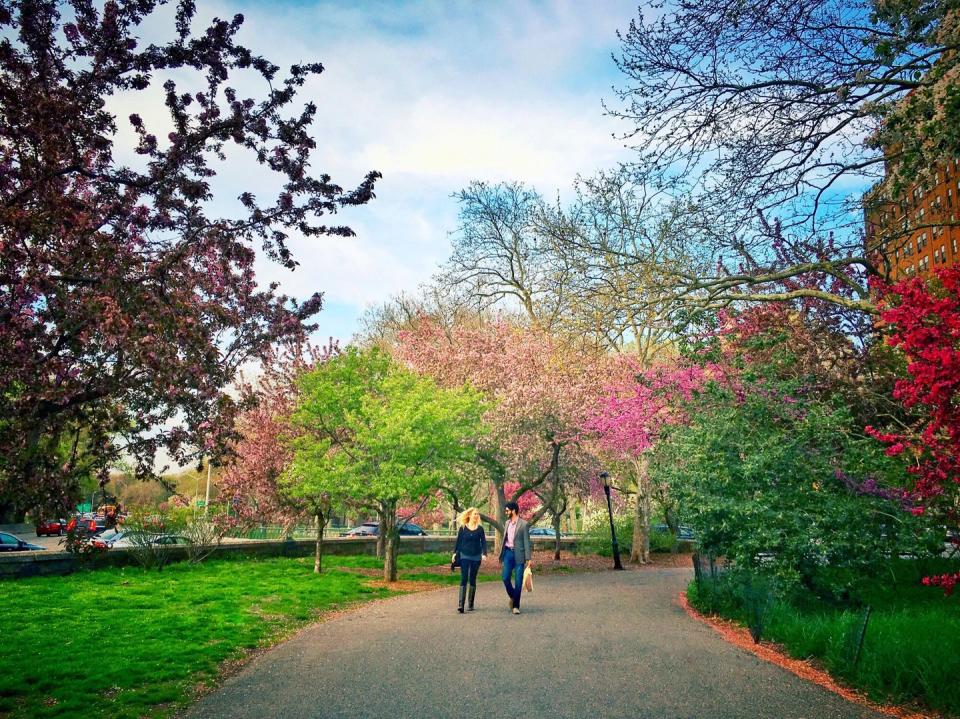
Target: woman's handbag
[(528, 579), (455, 561)]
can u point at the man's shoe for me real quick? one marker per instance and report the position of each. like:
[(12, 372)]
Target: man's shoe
[(509, 602), (516, 610)]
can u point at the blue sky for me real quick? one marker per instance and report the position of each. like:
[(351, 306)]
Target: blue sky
[(433, 95)]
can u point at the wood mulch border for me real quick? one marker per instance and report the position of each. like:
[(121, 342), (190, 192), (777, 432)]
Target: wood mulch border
[(807, 669)]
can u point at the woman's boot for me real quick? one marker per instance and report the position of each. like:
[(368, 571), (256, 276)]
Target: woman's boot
[(463, 594), (473, 593)]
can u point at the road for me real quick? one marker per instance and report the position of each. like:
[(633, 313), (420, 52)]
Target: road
[(611, 644)]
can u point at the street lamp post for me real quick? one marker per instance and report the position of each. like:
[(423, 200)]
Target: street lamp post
[(613, 532)]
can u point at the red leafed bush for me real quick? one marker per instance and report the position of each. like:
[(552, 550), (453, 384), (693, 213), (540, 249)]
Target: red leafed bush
[(923, 319)]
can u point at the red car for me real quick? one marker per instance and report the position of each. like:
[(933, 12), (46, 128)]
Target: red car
[(51, 527), (86, 524)]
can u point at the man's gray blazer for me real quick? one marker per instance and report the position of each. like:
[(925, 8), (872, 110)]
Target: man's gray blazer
[(522, 546)]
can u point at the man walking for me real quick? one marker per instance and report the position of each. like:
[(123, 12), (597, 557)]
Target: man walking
[(515, 554)]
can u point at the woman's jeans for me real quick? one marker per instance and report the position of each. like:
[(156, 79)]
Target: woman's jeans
[(512, 569), (468, 570)]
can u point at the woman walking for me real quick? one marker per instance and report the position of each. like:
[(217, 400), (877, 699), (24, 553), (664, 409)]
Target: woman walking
[(472, 549)]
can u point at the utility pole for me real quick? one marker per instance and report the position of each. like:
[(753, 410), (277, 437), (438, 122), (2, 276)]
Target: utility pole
[(206, 502)]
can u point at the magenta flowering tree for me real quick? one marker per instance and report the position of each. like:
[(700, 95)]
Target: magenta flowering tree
[(126, 303), (923, 319), (629, 419)]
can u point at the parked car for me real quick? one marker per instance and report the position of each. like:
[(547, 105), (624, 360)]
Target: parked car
[(543, 532), (51, 527), (372, 529), (10, 543), (110, 538), (88, 523), (684, 533), (124, 539)]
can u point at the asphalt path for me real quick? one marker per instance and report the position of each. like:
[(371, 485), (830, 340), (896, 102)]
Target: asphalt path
[(611, 644)]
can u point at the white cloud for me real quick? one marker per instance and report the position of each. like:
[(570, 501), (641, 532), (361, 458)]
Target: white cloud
[(433, 95)]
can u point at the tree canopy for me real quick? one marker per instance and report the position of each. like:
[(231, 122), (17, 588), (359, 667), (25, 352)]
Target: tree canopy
[(126, 302), (372, 430)]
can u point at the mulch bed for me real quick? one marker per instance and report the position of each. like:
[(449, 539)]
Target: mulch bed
[(807, 669)]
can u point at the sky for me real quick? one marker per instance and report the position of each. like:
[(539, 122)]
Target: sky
[(432, 95)]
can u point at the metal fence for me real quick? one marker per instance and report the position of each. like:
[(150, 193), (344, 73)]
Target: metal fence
[(707, 567)]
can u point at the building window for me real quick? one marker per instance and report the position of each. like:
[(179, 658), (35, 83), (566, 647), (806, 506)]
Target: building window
[(924, 264), (953, 245), (943, 254), (921, 242)]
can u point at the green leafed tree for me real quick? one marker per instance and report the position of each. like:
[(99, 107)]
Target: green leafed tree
[(370, 430), (784, 484)]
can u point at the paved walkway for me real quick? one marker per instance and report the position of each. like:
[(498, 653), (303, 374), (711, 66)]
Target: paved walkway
[(586, 645)]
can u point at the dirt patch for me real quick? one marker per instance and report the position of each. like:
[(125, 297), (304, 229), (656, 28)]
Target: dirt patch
[(405, 585), (807, 669)]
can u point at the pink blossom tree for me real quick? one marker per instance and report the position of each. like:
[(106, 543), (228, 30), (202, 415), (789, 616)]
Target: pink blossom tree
[(538, 390), (253, 480)]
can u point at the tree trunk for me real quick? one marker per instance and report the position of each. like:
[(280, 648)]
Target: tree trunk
[(501, 517), (391, 542), (381, 536), (640, 549), (671, 519), (318, 554), (556, 528)]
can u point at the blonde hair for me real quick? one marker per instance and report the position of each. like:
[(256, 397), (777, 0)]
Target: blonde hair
[(465, 515)]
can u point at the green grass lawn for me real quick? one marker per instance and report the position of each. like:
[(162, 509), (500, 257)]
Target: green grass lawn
[(911, 649), (127, 643)]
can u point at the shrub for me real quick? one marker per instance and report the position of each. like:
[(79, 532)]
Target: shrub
[(781, 485), (205, 532), (596, 533), (143, 528)]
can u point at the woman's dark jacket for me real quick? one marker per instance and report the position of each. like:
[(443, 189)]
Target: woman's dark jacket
[(471, 543)]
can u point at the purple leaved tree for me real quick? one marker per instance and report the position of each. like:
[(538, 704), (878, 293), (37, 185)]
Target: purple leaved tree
[(126, 303)]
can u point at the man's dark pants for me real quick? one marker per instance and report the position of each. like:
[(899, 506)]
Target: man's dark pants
[(512, 570)]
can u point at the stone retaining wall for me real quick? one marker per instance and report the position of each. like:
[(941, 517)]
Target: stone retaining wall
[(31, 564)]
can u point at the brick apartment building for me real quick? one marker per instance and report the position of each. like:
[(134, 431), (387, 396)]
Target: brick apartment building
[(921, 233)]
